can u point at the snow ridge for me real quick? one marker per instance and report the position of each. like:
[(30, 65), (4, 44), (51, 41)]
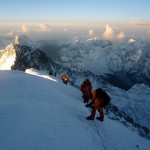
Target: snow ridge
[(37, 117)]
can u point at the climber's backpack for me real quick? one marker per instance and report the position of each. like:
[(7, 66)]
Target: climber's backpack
[(104, 96)]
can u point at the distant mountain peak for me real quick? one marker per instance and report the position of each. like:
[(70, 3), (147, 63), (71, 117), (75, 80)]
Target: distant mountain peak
[(22, 40), (21, 57)]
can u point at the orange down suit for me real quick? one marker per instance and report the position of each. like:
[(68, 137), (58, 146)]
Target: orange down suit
[(96, 105)]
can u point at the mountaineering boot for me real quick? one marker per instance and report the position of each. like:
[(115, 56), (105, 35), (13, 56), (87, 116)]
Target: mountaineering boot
[(100, 118), (90, 118)]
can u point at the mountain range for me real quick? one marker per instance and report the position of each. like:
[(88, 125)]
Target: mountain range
[(120, 64), (120, 68)]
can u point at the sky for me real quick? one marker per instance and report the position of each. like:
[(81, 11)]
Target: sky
[(93, 14), (67, 10), (34, 116)]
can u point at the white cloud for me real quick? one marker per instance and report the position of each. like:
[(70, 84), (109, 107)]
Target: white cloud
[(109, 32), (131, 41), (11, 33), (91, 33), (121, 35), (44, 27), (24, 28)]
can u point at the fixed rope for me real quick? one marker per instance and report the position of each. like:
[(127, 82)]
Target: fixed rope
[(99, 134), (104, 147)]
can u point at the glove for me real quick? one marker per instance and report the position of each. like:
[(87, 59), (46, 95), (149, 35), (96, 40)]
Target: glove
[(88, 105)]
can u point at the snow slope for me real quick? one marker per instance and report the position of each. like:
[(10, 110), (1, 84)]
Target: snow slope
[(42, 113)]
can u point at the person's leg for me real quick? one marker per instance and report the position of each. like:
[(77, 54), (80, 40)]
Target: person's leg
[(92, 116), (86, 99), (101, 112)]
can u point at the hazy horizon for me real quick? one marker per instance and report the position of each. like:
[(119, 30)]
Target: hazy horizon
[(112, 20)]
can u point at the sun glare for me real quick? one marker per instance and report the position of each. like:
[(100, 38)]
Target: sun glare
[(6, 63), (7, 58)]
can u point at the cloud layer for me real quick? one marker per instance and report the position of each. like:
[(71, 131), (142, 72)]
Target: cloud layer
[(100, 31)]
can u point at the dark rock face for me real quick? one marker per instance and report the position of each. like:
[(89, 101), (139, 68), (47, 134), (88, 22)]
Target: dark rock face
[(125, 80), (28, 58)]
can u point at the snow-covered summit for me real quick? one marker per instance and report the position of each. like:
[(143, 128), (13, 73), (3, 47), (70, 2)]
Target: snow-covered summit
[(22, 40), (21, 57), (7, 57)]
